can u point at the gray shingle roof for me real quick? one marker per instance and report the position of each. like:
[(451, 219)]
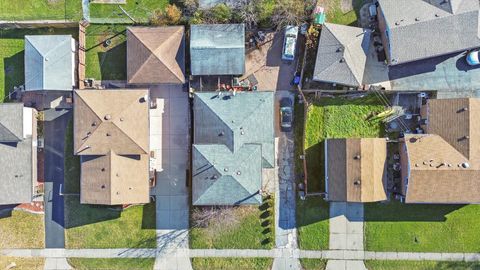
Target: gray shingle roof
[(235, 132), (48, 62), (217, 49), (419, 29), (15, 158), (342, 54)]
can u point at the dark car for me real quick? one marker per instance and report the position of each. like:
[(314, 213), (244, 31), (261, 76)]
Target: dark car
[(286, 116)]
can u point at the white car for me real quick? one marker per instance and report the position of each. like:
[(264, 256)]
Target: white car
[(290, 42), (472, 58)]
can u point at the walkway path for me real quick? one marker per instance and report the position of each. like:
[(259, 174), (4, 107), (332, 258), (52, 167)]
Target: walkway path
[(346, 233), (285, 225), (86, 9), (242, 253), (169, 140)]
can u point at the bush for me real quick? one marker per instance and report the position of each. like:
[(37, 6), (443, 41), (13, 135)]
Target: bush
[(170, 16), (221, 13)]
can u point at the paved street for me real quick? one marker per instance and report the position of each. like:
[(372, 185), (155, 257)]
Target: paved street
[(169, 139), (54, 133)]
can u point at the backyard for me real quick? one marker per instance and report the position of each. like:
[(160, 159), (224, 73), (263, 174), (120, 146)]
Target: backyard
[(140, 10), (19, 10), (108, 264), (106, 52), (395, 226), (342, 15), (421, 265), (12, 47), (19, 229), (238, 227), (231, 263)]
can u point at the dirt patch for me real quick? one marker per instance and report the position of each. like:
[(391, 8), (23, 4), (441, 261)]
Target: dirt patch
[(217, 219)]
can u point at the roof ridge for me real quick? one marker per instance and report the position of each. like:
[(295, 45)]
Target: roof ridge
[(96, 126)]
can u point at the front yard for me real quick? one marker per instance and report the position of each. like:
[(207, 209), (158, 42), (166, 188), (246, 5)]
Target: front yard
[(422, 228), (106, 52), (239, 227), (312, 223), (19, 10), (140, 10), (20, 229), (421, 265), (313, 264), (33, 263), (232, 263), (108, 264)]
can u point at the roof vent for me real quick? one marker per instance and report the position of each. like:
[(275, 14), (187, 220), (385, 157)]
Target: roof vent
[(397, 23), (356, 157), (225, 169), (342, 60), (339, 49), (214, 176), (221, 133), (465, 109), (103, 169), (117, 175), (46, 58), (465, 165), (449, 165), (121, 119), (144, 99), (108, 134), (103, 186), (239, 172), (242, 132), (437, 15), (417, 19), (94, 124), (357, 182), (108, 117)]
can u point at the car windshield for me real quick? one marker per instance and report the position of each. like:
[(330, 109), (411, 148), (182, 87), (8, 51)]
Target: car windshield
[(290, 45), (286, 115)]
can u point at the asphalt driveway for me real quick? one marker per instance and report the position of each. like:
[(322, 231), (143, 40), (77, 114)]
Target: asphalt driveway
[(54, 132)]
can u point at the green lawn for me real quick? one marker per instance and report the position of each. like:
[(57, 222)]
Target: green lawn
[(12, 47), (72, 164), (140, 10), (106, 62), (422, 228), (252, 227), (20, 229), (421, 265), (336, 15), (232, 263), (32, 263), (313, 264), (337, 118), (112, 264), (312, 223), (41, 9)]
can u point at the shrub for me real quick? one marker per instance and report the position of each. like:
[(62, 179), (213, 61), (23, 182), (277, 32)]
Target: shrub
[(221, 13), (170, 16)]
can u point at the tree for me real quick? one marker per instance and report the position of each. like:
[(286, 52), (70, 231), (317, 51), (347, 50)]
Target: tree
[(289, 12), (189, 7), (221, 13), (247, 11), (171, 15)]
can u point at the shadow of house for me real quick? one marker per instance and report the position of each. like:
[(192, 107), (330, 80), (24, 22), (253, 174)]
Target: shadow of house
[(77, 214), (113, 63), (13, 72), (397, 212)]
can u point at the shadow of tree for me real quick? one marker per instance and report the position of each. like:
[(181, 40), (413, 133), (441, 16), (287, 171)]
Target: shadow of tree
[(113, 63)]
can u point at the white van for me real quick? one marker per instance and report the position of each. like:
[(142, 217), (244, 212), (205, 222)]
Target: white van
[(290, 43)]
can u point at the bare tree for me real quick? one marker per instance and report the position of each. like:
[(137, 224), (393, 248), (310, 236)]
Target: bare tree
[(289, 12), (247, 10)]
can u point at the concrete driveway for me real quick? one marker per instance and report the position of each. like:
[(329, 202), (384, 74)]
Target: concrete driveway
[(54, 131), (169, 139), (266, 64)]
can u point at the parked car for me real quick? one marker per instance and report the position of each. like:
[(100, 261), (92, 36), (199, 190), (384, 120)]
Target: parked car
[(290, 43), (472, 58), (286, 117)]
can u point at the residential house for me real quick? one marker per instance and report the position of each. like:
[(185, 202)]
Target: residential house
[(414, 30), (355, 169), (18, 153), (443, 165), (233, 145), (111, 136), (217, 49), (341, 55), (156, 55)]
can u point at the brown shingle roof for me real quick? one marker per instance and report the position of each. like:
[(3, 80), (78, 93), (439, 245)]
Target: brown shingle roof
[(356, 169), (111, 133), (444, 164), (155, 55)]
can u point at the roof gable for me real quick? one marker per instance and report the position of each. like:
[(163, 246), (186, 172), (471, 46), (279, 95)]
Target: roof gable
[(11, 122)]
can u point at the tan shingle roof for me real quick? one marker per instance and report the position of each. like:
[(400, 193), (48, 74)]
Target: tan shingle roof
[(444, 164), (111, 130), (155, 54), (355, 179)]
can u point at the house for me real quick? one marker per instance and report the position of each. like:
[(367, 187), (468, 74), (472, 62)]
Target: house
[(414, 30), (341, 55), (156, 55), (217, 49), (18, 153), (443, 165), (233, 145), (111, 136), (355, 169), (49, 63)]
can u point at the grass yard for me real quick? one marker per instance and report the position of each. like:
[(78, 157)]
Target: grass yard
[(112, 264), (312, 224), (232, 263), (313, 264), (12, 46), (106, 62), (421, 265), (140, 10), (34, 263), (242, 227), (336, 15), (20, 229), (94, 226), (422, 228), (337, 118), (72, 163), (70, 10)]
